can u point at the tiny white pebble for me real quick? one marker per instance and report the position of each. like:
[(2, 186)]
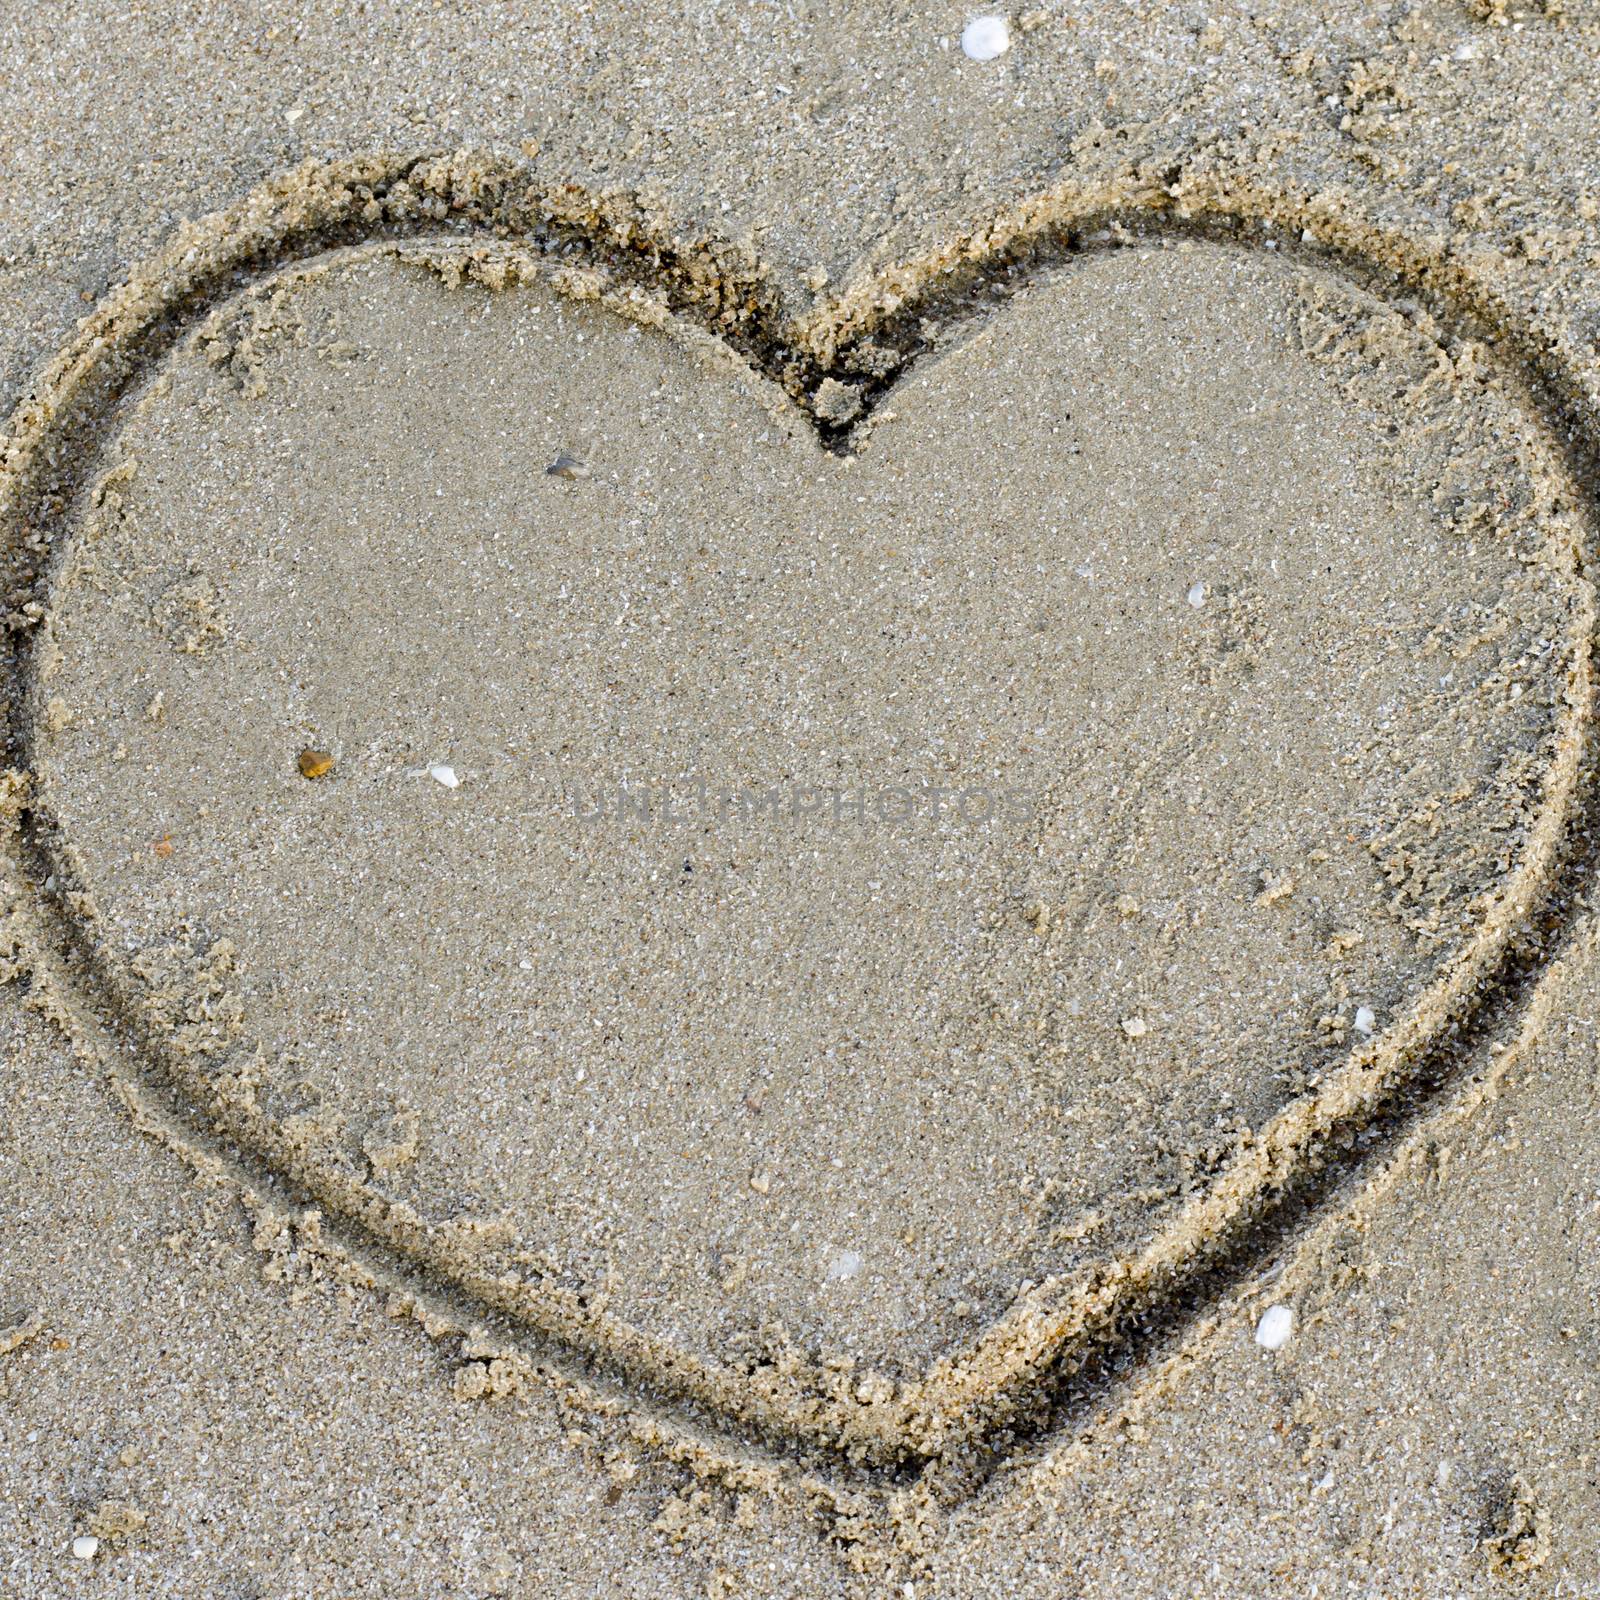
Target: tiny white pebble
[(1198, 593), (1274, 1328), (984, 38), (844, 1265), (1467, 50), (446, 776), (85, 1546), (1366, 1020), (525, 964), (1135, 1027)]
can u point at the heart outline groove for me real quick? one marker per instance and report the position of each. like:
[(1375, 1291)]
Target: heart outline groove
[(1059, 1339)]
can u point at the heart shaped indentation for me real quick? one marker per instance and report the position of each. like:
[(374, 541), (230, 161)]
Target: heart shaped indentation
[(804, 927)]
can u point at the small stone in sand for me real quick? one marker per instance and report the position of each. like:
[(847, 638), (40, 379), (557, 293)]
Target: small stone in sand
[(1135, 1027), (837, 402), (984, 38), (446, 776), (1366, 1020), (85, 1547), (1198, 593), (1275, 1327), (315, 763)]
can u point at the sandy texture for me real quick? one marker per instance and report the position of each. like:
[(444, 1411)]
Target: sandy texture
[(792, 1201)]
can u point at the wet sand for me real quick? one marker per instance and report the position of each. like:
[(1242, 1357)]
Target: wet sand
[(1016, 798)]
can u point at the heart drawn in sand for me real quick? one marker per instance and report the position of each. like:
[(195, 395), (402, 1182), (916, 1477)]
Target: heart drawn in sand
[(814, 868)]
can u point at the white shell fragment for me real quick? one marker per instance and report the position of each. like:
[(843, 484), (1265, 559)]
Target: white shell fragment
[(568, 466), (85, 1547), (1366, 1019), (984, 38), (1197, 594), (446, 776), (844, 1265), (1275, 1327)]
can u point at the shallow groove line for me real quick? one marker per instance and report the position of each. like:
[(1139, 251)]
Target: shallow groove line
[(966, 1423)]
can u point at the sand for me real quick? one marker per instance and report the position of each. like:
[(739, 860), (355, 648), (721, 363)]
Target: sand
[(714, 871)]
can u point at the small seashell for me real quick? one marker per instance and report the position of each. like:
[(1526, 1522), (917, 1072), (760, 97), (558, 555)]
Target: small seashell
[(1275, 1327), (566, 466), (984, 38)]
